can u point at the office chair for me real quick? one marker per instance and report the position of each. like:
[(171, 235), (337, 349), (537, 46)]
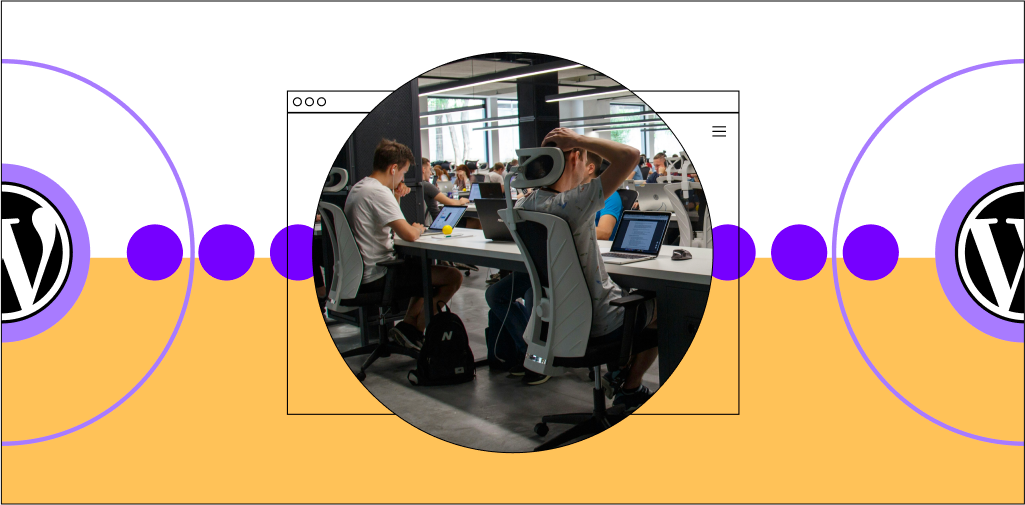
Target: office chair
[(675, 193), (479, 178), (559, 328), (628, 196), (375, 310)]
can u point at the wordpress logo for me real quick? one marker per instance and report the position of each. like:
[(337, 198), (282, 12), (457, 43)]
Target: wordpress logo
[(37, 252), (990, 252)]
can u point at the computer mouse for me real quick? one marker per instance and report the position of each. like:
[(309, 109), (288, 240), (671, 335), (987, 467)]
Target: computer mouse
[(681, 254)]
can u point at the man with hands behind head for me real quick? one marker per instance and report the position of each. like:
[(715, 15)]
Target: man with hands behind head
[(373, 211), (577, 198)]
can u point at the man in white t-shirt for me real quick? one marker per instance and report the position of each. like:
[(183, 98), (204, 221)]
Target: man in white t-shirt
[(497, 174), (577, 198), (373, 211)]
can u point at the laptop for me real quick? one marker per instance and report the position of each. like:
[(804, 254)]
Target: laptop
[(638, 238), (446, 187), (653, 197), (485, 190), (494, 228), (449, 215)]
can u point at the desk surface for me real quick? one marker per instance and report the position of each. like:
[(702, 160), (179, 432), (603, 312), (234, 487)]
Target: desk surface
[(697, 270)]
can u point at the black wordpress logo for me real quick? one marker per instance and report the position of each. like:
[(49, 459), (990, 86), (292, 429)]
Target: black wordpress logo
[(36, 252), (991, 252)]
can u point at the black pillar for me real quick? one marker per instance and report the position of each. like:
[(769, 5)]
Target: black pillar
[(537, 117)]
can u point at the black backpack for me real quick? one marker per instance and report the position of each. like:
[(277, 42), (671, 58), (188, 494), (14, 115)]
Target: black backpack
[(445, 357)]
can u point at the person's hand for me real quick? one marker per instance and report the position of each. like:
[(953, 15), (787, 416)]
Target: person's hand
[(464, 201), (636, 205), (564, 138), (317, 220), (402, 190), (420, 228)]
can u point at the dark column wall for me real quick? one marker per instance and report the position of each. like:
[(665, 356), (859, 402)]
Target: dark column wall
[(537, 117), (396, 118)]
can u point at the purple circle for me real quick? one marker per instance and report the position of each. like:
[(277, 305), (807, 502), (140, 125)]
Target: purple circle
[(79, 271), (226, 252), (799, 252), (946, 264), (291, 252), (836, 278), (192, 251), (154, 252), (733, 254), (870, 252)]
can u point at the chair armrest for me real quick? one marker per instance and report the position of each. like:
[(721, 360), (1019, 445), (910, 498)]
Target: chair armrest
[(392, 263), (632, 299)]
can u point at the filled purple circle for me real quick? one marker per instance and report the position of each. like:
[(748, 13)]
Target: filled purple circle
[(192, 255), (291, 252), (799, 252), (154, 252), (836, 278), (946, 264), (80, 256), (733, 254), (226, 252), (870, 252)]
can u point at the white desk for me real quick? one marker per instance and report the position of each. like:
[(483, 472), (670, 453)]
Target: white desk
[(681, 287)]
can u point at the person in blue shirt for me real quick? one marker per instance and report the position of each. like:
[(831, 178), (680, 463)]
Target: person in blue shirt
[(606, 221)]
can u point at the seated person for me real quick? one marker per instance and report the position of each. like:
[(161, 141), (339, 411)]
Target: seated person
[(433, 196), (607, 220), (440, 173), (659, 168), (463, 178), (577, 201), (497, 174), (372, 209)]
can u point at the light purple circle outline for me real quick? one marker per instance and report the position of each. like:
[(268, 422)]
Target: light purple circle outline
[(836, 278), (79, 271), (192, 251), (946, 267)]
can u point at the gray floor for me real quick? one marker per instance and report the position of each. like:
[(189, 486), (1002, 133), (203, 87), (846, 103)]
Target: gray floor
[(494, 412)]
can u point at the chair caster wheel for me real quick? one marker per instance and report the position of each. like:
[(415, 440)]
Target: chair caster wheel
[(541, 429), (466, 273), (362, 376)]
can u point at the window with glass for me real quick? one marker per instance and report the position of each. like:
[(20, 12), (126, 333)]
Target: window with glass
[(509, 137), (456, 143), (664, 140), (631, 136)]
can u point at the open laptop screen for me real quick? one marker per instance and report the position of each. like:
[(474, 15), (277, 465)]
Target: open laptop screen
[(641, 232), (474, 191), (448, 215)]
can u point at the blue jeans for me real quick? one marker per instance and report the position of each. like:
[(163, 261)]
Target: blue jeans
[(501, 297)]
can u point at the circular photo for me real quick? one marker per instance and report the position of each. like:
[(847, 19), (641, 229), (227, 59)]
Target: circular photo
[(513, 252)]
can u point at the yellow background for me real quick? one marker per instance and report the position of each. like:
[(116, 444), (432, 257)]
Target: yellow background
[(211, 424)]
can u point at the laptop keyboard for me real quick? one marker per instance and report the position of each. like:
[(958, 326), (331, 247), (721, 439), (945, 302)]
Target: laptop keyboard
[(626, 256)]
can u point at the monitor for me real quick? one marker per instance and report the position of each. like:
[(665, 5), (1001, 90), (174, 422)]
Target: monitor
[(641, 232), (449, 215)]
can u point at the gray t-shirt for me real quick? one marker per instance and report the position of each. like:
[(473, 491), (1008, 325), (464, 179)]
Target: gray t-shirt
[(430, 193), (369, 208), (495, 177), (578, 207)]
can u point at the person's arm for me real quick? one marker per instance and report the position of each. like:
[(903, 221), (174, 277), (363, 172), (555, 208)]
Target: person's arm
[(445, 200), (406, 231), (606, 224), (622, 158)]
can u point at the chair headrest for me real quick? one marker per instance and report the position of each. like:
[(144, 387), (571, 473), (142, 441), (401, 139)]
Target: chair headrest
[(337, 179), (539, 166)]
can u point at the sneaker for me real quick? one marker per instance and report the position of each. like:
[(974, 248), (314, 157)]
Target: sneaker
[(632, 399), (612, 382), (517, 370), (406, 335), (531, 378), (493, 279)]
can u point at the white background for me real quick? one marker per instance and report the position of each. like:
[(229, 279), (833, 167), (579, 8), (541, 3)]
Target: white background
[(211, 80)]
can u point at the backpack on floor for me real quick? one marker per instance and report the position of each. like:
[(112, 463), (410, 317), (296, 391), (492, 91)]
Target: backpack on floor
[(445, 357), (502, 352)]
